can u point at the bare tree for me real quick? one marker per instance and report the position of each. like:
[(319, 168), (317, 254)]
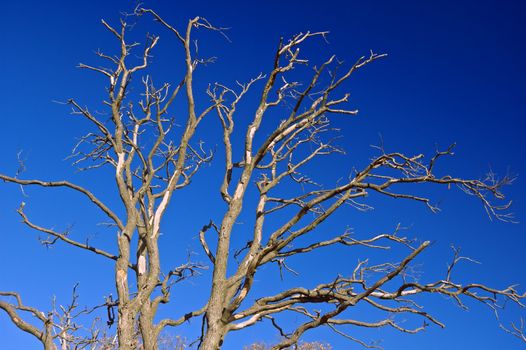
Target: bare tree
[(152, 159)]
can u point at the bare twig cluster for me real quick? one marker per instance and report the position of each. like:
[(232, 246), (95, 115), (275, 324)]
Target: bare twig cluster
[(60, 327)]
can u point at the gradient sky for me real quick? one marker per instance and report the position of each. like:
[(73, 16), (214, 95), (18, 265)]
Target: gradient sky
[(454, 73)]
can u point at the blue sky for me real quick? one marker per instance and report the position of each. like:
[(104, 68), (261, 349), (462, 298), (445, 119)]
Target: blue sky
[(454, 73)]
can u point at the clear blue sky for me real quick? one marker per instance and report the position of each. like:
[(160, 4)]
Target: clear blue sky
[(455, 73)]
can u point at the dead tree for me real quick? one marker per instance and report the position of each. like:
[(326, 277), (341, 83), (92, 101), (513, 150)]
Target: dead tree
[(152, 160)]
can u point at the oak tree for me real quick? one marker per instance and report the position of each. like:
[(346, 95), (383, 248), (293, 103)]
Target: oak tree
[(149, 141)]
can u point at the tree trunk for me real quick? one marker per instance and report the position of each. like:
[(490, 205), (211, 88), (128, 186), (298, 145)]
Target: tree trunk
[(125, 330), (47, 339), (48, 343), (149, 337), (213, 338)]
